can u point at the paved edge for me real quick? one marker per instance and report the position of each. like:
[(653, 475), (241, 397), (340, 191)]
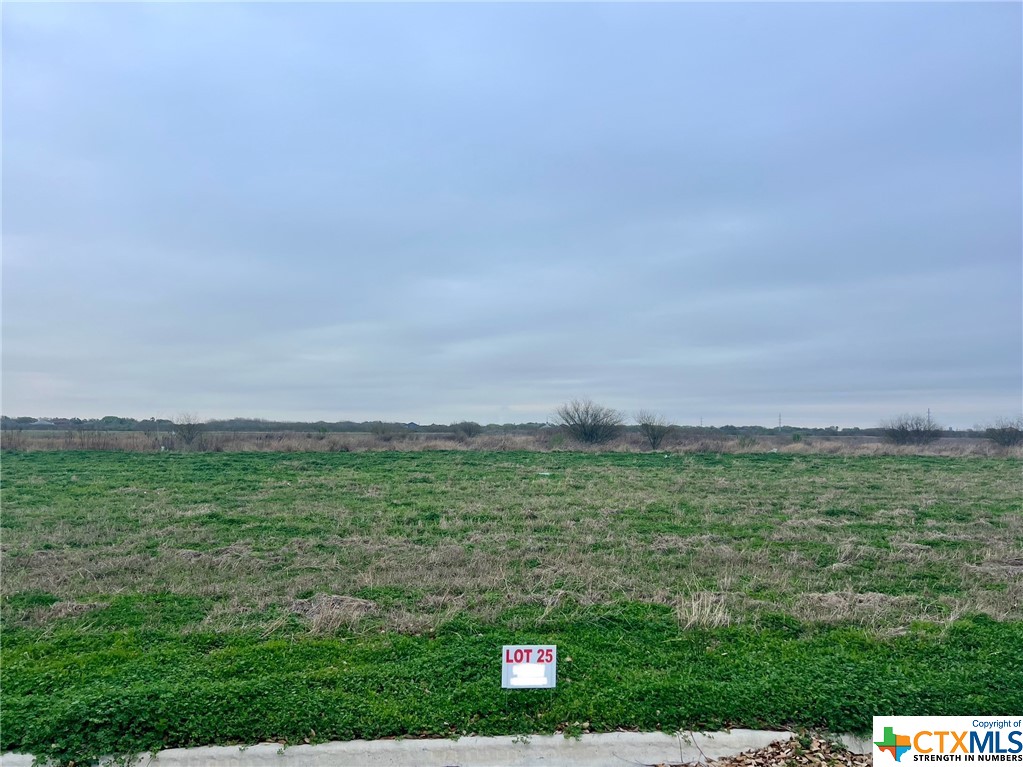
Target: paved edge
[(616, 749)]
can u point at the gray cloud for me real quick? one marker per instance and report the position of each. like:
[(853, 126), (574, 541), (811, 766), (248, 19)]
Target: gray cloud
[(437, 212)]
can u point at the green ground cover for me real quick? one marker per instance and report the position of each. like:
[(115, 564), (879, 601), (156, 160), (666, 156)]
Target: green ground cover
[(180, 599)]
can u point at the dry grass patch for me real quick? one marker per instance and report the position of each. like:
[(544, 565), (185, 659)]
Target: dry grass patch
[(67, 609), (703, 609), (327, 613), (842, 606)]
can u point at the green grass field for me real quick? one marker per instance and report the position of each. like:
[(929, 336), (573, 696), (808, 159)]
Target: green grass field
[(181, 599)]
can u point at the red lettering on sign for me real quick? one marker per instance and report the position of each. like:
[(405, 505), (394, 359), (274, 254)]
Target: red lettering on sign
[(529, 655)]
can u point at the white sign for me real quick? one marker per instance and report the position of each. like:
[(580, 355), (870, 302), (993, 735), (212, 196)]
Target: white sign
[(529, 666)]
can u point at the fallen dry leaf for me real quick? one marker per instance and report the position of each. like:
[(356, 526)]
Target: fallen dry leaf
[(786, 753)]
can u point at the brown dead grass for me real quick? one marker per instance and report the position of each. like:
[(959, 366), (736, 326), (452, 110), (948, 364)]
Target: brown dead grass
[(327, 613), (65, 609), (305, 442)]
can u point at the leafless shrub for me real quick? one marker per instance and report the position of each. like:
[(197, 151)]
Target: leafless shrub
[(745, 443), (212, 443), (188, 428), (466, 429), (12, 439), (386, 432), (654, 428), (911, 429), (1006, 432), (590, 423)]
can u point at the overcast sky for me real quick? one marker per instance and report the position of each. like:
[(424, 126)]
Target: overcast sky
[(479, 211)]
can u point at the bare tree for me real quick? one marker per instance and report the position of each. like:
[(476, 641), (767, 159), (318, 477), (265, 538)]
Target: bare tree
[(1006, 432), (911, 429), (654, 427), (589, 422), (466, 429), (386, 432), (188, 427)]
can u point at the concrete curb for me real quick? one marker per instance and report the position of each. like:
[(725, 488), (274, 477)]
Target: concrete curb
[(616, 749)]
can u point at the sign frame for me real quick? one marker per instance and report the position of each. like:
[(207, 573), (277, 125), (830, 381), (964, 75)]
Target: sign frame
[(529, 666)]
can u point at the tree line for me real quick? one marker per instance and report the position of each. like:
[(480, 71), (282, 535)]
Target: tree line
[(582, 420)]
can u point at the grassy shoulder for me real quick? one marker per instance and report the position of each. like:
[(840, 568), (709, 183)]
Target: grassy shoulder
[(75, 695)]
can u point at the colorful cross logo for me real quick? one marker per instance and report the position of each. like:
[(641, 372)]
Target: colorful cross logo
[(894, 744)]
